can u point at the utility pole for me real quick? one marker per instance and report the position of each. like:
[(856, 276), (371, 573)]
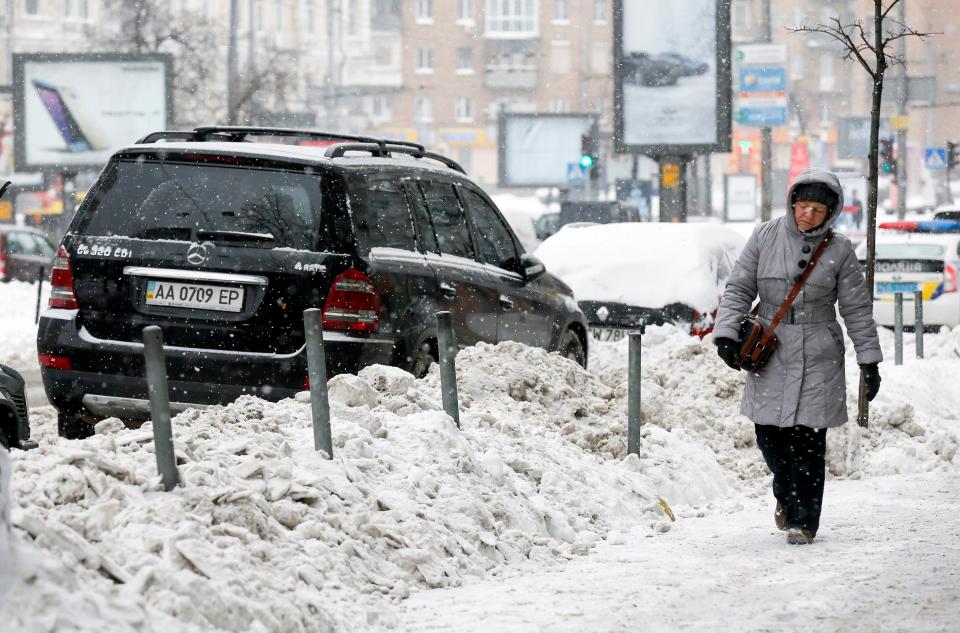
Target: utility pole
[(232, 66), (8, 41), (766, 138), (331, 76), (252, 61), (902, 96)]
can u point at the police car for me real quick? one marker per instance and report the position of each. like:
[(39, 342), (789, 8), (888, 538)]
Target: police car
[(917, 256)]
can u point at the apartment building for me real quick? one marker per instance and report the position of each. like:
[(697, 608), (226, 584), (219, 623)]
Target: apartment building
[(465, 61)]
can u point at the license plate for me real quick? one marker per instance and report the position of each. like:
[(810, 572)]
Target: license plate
[(610, 334), (179, 295), (893, 287)]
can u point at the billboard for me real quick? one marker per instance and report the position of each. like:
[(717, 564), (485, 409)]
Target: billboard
[(20, 181), (73, 111), (672, 84), (542, 149)]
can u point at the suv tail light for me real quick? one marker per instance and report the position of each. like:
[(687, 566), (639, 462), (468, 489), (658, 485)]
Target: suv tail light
[(353, 303), (62, 294), (3, 265), (701, 324), (950, 274)]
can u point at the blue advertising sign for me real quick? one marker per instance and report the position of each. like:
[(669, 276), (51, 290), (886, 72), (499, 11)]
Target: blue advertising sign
[(764, 116), (763, 80)]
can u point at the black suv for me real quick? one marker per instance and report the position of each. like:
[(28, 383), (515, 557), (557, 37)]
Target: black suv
[(223, 243)]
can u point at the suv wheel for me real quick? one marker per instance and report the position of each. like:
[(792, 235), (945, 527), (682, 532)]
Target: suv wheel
[(72, 426), (419, 365), (571, 347)]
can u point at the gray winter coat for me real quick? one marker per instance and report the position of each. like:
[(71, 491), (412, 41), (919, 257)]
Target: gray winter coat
[(803, 383)]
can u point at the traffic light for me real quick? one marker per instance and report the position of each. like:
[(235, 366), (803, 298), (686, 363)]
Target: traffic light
[(953, 155), (887, 162), (588, 151)]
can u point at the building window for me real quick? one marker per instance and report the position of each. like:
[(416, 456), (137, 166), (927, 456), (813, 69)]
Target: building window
[(311, 15), (463, 109), (424, 11), (381, 110), (84, 9), (351, 8), (31, 7), (796, 67), (383, 56), (464, 61), (740, 15), (424, 109), (258, 15), (561, 60), (826, 73), (278, 15), (599, 11), (67, 8), (558, 104), (512, 18), (600, 58), (424, 60), (465, 11), (561, 10)]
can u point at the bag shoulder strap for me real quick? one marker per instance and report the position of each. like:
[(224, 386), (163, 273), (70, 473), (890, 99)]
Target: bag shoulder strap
[(768, 333)]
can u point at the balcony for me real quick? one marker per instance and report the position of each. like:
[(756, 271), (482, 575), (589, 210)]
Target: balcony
[(511, 77)]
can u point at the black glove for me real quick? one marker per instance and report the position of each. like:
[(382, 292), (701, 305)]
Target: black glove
[(871, 378), (728, 350)]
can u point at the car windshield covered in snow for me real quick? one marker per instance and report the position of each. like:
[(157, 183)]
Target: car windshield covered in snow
[(622, 274)]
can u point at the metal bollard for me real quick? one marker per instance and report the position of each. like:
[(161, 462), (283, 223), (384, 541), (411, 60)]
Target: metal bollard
[(160, 406), (447, 347), (918, 320), (317, 372), (36, 314), (633, 394), (898, 328)]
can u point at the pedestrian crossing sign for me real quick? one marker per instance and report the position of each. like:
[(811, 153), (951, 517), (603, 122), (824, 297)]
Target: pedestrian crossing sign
[(935, 158)]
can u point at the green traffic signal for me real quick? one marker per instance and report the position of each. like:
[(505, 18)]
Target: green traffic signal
[(586, 161)]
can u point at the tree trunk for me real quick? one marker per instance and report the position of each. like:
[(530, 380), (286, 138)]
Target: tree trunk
[(863, 408)]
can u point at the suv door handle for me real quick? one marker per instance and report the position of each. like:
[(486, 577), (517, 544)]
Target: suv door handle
[(506, 302), (448, 291)]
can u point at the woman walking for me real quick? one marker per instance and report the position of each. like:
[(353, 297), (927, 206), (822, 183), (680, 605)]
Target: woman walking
[(801, 391)]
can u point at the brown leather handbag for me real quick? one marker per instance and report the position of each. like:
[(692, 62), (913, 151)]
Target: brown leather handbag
[(757, 343)]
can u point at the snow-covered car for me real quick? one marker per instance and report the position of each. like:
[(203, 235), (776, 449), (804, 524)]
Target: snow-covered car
[(629, 274), (915, 256)]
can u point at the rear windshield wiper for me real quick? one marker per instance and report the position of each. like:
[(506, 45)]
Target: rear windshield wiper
[(235, 236)]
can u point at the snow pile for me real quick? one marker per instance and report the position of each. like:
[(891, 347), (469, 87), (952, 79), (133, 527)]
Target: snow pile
[(643, 263), (914, 424), (275, 538)]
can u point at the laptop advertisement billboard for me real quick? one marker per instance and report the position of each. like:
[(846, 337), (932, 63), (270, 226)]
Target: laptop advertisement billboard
[(74, 111)]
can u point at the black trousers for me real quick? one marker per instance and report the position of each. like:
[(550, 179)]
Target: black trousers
[(796, 457)]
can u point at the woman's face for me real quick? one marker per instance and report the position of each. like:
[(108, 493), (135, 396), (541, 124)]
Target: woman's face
[(808, 214)]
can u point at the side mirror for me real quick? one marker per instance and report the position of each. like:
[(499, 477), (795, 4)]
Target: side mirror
[(531, 267)]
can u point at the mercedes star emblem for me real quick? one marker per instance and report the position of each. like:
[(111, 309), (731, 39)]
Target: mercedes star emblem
[(197, 253)]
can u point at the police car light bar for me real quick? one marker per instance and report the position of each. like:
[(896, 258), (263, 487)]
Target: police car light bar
[(929, 226)]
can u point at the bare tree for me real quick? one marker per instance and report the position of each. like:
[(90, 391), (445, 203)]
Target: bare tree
[(870, 47), (199, 73)]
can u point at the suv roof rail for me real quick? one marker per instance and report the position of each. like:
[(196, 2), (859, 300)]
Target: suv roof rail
[(168, 135), (241, 132), (381, 148)]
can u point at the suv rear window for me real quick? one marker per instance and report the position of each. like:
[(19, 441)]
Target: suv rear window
[(169, 200)]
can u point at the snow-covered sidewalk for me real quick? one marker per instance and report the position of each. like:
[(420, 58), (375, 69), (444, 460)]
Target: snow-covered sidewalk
[(887, 558)]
